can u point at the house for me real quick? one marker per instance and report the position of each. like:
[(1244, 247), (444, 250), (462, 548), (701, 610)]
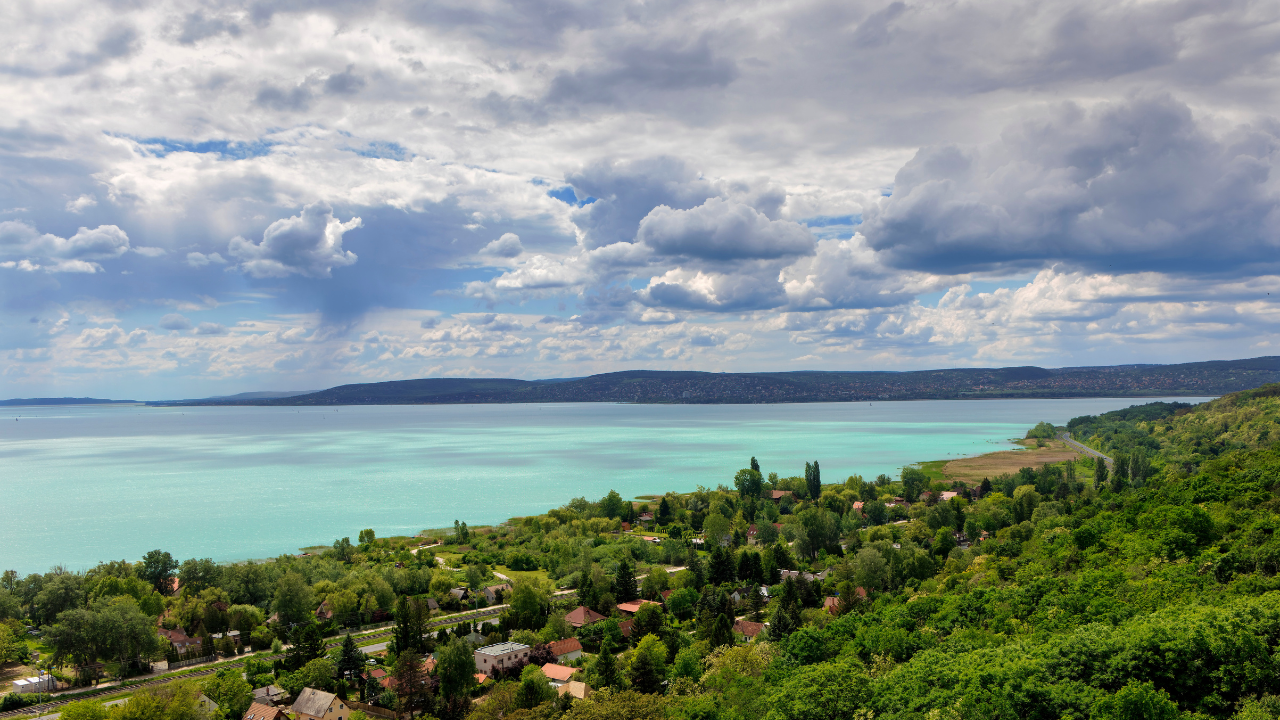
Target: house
[(315, 704), (324, 613), (665, 594), (633, 607), (582, 615), (831, 605), (494, 595), (948, 494), (264, 712), (796, 574), (566, 650), (858, 505), (577, 689), (651, 539), (626, 527), (475, 638), (460, 593), (646, 517), (625, 627), (777, 495), (500, 656), (747, 629), (268, 695), (207, 704), (432, 605), (743, 593), (557, 674), (480, 678), (233, 634), (180, 641)]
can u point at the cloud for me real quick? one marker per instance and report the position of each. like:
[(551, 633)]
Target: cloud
[(199, 259), (150, 251), (1138, 183), (628, 190), (57, 254), (722, 230), (174, 321), (507, 246), (344, 83), (79, 204), (308, 244), (210, 328)]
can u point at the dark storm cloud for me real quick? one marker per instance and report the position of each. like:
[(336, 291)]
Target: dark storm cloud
[(1136, 184)]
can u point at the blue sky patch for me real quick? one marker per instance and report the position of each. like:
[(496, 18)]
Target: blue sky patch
[(160, 147), (566, 195)]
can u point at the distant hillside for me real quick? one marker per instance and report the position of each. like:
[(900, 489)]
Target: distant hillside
[(650, 386), (60, 401)]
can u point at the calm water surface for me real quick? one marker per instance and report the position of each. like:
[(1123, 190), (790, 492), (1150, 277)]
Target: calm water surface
[(85, 484)]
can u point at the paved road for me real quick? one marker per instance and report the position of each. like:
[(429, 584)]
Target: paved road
[(1065, 437)]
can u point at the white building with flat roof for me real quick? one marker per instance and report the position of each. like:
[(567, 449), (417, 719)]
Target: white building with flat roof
[(502, 656), (41, 683)]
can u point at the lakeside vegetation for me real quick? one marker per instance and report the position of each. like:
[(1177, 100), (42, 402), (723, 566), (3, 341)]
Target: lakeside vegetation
[(1061, 591)]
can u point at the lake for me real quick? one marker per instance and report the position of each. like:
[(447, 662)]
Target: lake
[(84, 484)]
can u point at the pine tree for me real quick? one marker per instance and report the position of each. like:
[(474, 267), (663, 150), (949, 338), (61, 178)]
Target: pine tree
[(756, 603), (401, 634), (721, 631), (663, 516), (607, 666), (1099, 473), (755, 465), (625, 589), (371, 690), (351, 660)]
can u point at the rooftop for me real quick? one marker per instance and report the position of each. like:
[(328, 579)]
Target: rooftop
[(502, 648)]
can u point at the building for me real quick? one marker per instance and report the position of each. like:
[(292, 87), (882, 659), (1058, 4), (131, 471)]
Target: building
[(233, 634), (497, 593), (180, 641), (633, 607), (577, 689), (460, 593), (324, 613), (557, 674), (743, 594), (41, 683), (796, 574), (207, 705), (501, 656), (268, 695), (582, 615), (747, 629), (777, 495), (831, 605), (264, 712), (566, 650), (314, 704)]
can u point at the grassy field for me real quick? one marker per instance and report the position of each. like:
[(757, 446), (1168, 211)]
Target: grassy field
[(538, 575), (973, 470)]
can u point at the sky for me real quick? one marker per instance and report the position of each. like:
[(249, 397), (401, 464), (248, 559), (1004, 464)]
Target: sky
[(210, 197)]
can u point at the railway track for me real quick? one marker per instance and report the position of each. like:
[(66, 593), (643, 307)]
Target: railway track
[(44, 708)]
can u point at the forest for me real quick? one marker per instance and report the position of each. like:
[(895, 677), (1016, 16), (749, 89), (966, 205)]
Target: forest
[(1145, 590)]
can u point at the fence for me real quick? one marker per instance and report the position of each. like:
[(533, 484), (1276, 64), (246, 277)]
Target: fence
[(192, 661), (372, 710)]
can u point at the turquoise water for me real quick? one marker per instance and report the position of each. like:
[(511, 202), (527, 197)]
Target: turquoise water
[(85, 484)]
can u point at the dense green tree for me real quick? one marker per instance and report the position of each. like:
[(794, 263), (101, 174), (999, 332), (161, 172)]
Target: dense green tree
[(411, 687), (157, 569), (456, 667), (749, 483), (611, 504), (294, 600), (625, 586), (647, 670), (534, 688), (230, 691), (829, 691), (914, 482), (1099, 473), (307, 646)]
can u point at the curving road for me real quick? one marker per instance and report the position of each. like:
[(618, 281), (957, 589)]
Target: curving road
[(1065, 437)]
